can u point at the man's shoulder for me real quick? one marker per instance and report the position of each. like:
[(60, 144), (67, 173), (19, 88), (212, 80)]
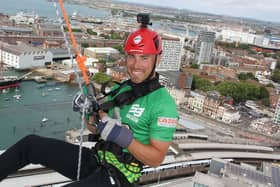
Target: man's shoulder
[(161, 93), (161, 96)]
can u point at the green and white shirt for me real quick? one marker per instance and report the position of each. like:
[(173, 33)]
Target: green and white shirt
[(153, 116)]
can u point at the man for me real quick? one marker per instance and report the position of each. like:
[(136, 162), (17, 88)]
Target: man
[(136, 130)]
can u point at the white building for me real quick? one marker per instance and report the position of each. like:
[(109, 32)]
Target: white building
[(101, 52), (25, 18), (22, 56), (172, 51), (261, 76), (237, 36), (197, 101), (88, 63), (261, 40), (243, 37), (276, 117), (178, 95), (230, 116)]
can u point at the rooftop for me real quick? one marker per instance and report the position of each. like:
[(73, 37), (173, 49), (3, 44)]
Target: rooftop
[(105, 50)]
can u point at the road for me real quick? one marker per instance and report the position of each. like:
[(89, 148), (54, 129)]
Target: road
[(238, 132)]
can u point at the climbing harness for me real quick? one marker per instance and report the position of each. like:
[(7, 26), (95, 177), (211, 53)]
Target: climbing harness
[(112, 155)]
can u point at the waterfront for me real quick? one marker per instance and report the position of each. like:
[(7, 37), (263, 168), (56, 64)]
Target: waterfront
[(46, 9), (23, 116)]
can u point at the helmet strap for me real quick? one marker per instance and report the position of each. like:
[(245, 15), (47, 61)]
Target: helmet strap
[(153, 70)]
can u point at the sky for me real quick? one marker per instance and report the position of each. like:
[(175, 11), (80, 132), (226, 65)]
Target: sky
[(266, 10)]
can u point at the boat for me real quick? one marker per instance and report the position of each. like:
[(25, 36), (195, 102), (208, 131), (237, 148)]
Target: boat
[(9, 82), (17, 96), (5, 90), (44, 120), (44, 94)]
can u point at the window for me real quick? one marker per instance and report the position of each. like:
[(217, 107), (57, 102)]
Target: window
[(195, 184)]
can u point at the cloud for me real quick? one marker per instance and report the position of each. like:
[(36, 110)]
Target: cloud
[(263, 5)]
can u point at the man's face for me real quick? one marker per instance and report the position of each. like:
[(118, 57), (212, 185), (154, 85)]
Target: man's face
[(139, 66)]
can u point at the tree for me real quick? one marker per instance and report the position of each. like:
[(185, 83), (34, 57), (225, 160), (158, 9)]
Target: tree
[(194, 66), (85, 45), (239, 91), (119, 48), (202, 84), (242, 76), (91, 32), (245, 76), (101, 78), (102, 61), (266, 102), (276, 76), (278, 64), (263, 93), (243, 46), (105, 36), (269, 85), (116, 36)]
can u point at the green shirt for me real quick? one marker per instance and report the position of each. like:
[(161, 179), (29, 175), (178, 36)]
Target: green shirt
[(153, 116)]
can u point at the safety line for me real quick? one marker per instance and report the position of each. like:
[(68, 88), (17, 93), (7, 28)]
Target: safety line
[(80, 60)]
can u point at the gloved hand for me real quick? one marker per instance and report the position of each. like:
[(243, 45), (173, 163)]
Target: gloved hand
[(111, 130), (78, 102)]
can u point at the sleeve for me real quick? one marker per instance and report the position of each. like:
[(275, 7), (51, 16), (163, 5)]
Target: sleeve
[(164, 121)]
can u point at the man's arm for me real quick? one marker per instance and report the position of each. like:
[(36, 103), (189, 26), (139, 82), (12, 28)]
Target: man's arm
[(152, 154), (90, 125)]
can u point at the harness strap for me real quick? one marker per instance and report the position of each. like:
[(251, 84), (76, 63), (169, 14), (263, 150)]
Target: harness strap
[(114, 148), (128, 97), (111, 155)]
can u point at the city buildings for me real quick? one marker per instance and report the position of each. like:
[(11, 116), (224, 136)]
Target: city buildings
[(225, 174), (171, 55), (101, 52), (205, 46), (22, 56), (276, 118), (244, 37), (24, 18), (212, 105)]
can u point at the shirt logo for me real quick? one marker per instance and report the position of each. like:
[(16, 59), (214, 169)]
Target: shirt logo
[(135, 112), (167, 122)]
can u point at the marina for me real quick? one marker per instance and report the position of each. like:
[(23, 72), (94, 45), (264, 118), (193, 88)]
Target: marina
[(32, 108)]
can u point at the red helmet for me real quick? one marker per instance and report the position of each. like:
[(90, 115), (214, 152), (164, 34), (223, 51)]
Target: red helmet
[(143, 41)]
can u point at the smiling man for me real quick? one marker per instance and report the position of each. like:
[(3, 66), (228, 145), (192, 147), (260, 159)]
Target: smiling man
[(136, 127)]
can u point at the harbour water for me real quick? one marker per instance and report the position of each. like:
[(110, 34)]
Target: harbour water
[(45, 111), (38, 109), (46, 9)]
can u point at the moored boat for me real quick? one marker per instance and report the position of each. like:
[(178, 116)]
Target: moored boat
[(9, 82)]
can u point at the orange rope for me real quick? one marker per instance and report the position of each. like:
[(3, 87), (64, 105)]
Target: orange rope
[(79, 58)]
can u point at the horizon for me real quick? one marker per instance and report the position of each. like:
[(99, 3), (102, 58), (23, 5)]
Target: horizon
[(267, 11)]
